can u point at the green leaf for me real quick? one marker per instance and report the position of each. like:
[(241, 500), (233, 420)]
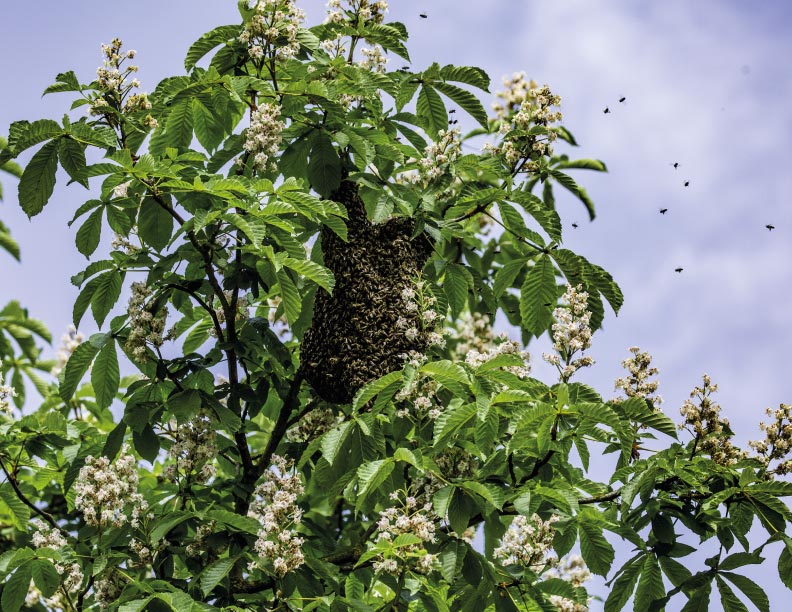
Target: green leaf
[(147, 443), (215, 572), (324, 166), (375, 387), (16, 588), (750, 589), (208, 41), (431, 111), (470, 75), (8, 244), (108, 290), (569, 183), (505, 276), (595, 549), (699, 601), (19, 512), (65, 81), (38, 179), (785, 565), (370, 476), (179, 125), (45, 576), (650, 587), (292, 303), (155, 224), (313, 271), (458, 280), (105, 375), (623, 587), (78, 364), (114, 441), (584, 164), (90, 233), (466, 101), (729, 600), (538, 296), (72, 157)]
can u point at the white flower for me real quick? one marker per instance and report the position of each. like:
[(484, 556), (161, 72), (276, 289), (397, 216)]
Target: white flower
[(120, 191)]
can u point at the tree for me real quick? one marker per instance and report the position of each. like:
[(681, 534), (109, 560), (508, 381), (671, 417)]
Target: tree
[(327, 415)]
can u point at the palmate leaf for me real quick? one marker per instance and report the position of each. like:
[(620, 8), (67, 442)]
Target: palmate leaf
[(375, 387), (16, 588), (750, 589), (38, 179), (538, 296), (106, 294), (583, 164), (729, 600)]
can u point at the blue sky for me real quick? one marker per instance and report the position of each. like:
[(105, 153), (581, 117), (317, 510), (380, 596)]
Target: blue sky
[(706, 86)]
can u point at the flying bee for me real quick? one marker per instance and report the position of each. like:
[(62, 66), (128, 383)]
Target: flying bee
[(606, 111), (678, 270), (663, 211), (687, 183), (623, 99), (575, 225), (770, 227), (452, 111), (676, 165), (423, 15)]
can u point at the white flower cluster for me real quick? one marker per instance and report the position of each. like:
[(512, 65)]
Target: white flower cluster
[(357, 9), (454, 463), (475, 358), (263, 137), (419, 302), (113, 79), (438, 156), (712, 433), (69, 342), (276, 510), (373, 59), (193, 451), (571, 333), (121, 243), (314, 424), (105, 492), (525, 104), (145, 327), (71, 573), (420, 397), (778, 439), (272, 31), (637, 384), (45, 536), (473, 333), (575, 571), (108, 588), (412, 518), (241, 314), (6, 394), (527, 543), (197, 546)]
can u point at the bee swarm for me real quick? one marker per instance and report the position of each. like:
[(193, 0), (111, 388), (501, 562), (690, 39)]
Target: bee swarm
[(353, 338)]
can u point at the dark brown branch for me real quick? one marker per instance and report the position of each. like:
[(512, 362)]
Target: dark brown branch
[(23, 498), (610, 496)]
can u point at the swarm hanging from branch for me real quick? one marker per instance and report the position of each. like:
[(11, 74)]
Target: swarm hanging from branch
[(354, 337)]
